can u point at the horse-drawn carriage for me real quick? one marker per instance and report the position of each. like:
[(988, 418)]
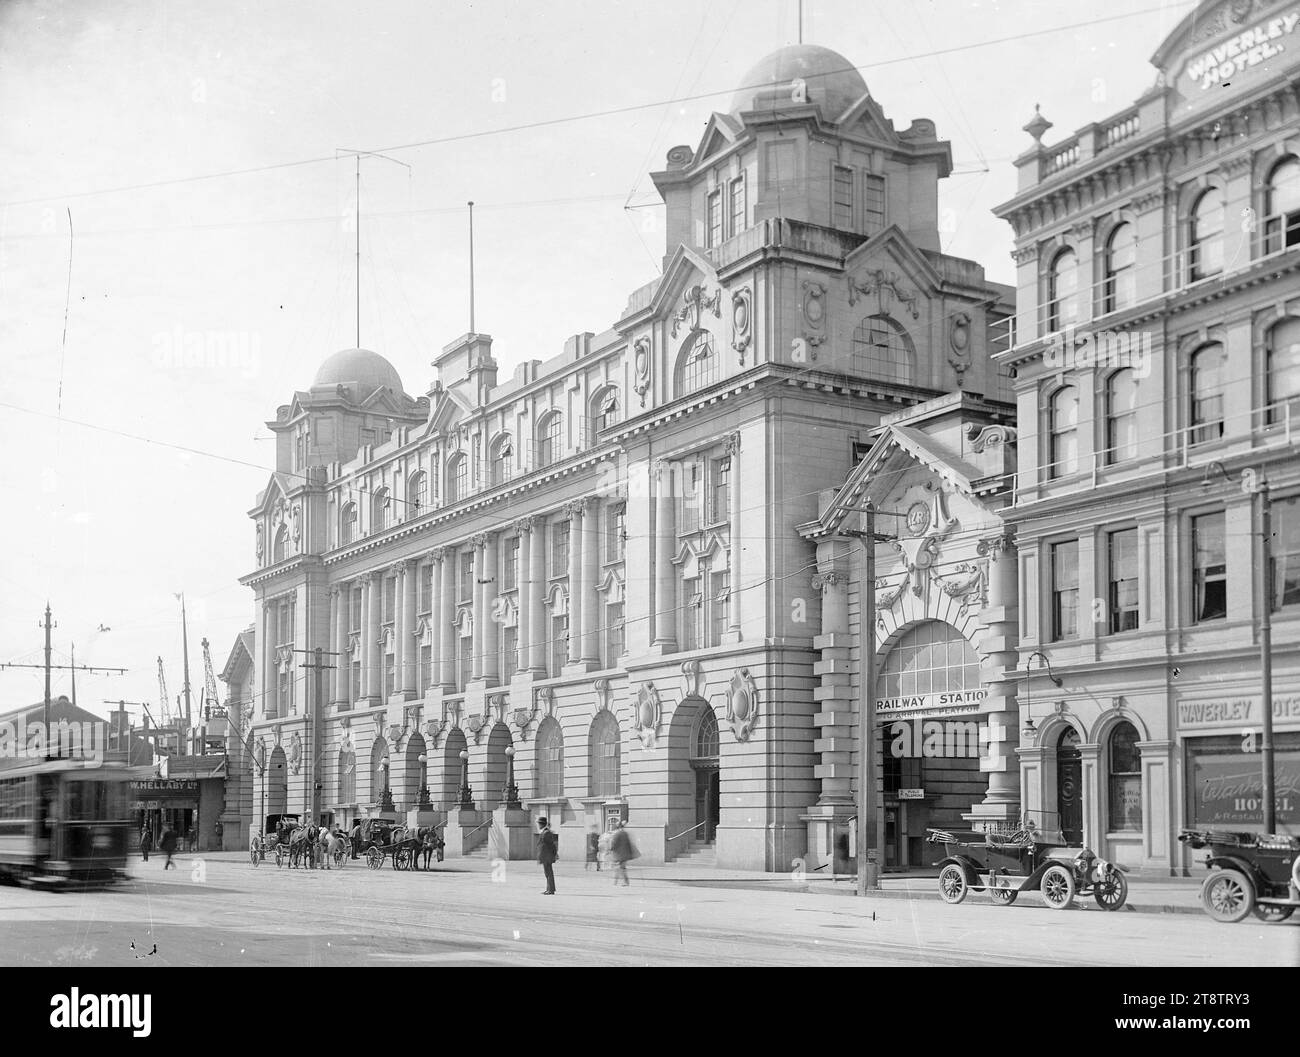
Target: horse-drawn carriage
[(1006, 864), (275, 840), (382, 840)]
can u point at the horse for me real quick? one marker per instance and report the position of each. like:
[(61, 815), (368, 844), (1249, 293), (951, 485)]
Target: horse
[(299, 848), (331, 844)]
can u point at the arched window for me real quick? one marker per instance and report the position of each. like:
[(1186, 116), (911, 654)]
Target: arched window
[(499, 468), (281, 549), (1282, 206), (457, 478), (417, 494), (378, 769), (1282, 369), (347, 777), (697, 366), (348, 524), (604, 755), (1063, 291), (1125, 765), (550, 760), (704, 744), (1063, 430), (1120, 288), (550, 439), (880, 351), (604, 412), (380, 511), (931, 657), (1121, 416), (1205, 236), (1209, 368)]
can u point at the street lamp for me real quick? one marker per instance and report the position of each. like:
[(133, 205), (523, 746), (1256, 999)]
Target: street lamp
[(512, 790), (423, 794), (466, 794), (1254, 483), (1029, 730)]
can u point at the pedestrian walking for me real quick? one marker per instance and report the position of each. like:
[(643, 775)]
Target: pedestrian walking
[(356, 839), (622, 850), (548, 852), (146, 842), (593, 849), (168, 847)]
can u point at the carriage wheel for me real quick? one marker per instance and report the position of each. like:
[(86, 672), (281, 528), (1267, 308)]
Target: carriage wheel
[(374, 858), (1228, 896), (254, 854), (1002, 893), (402, 859), (1268, 912), (952, 884), (1058, 887), (1112, 893)]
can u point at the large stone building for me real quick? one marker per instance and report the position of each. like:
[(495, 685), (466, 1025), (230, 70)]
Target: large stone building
[(1157, 374), (591, 574)]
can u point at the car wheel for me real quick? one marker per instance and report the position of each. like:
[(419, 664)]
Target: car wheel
[(1228, 896), (952, 884), (1002, 892), (1057, 887), (1112, 893)]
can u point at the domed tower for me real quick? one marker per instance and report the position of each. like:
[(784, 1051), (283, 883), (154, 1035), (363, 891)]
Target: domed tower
[(804, 140)]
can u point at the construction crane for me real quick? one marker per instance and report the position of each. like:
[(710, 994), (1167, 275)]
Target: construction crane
[(211, 702), (162, 696)]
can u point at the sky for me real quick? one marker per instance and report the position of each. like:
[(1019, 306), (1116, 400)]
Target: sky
[(172, 183)]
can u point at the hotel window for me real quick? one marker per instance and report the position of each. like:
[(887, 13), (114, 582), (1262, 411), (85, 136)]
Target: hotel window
[(604, 756), (1065, 590), (381, 506), (417, 494), (509, 653), (465, 593), (1282, 206), (502, 454), (615, 533), (1208, 377), (613, 634), (1063, 291), (559, 549), (1209, 568), (1282, 371), (559, 644), (1123, 581), (720, 498), (510, 572), (1120, 289), (458, 479), (738, 206), (1205, 236), (464, 660), (348, 524), (550, 443), (550, 759), (873, 204), (1063, 432), (1121, 416), (880, 351), (718, 607), (715, 218), (688, 503), (1125, 780), (1285, 572), (842, 197)]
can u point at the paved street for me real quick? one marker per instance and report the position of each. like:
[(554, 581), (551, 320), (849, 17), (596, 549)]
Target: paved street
[(468, 914)]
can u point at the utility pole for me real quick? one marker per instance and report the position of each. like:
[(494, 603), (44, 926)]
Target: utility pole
[(1266, 653), (314, 729)]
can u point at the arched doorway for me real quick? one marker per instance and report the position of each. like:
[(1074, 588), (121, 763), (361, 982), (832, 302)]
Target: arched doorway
[(417, 771), (1069, 784), (347, 778), (452, 765), (708, 780), (548, 767), (277, 784), (494, 772), (378, 772)]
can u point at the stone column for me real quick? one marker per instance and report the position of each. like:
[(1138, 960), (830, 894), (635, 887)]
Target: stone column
[(538, 631), (445, 573), (399, 627), (269, 700), (374, 624), (489, 640), (736, 531), (1000, 617), (576, 531), (408, 658), (593, 620), (665, 603), (333, 676), (478, 591), (524, 526)]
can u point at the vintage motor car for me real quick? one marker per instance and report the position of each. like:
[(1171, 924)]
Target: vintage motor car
[(1250, 873), (1006, 864)]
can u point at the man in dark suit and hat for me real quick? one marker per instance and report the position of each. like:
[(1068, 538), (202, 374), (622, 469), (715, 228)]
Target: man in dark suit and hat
[(548, 851)]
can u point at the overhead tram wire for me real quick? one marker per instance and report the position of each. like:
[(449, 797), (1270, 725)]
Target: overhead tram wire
[(590, 115)]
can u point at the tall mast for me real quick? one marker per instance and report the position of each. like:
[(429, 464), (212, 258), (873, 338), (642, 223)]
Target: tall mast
[(185, 651), (358, 251), (471, 267)]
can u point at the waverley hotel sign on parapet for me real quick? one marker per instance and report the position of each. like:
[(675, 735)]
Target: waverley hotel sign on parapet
[(1249, 48)]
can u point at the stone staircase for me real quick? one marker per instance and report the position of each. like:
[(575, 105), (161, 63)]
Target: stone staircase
[(698, 853)]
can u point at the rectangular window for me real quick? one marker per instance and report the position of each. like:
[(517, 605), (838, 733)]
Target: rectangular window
[(559, 549), (510, 572), (715, 219), (1285, 573), (688, 504), (390, 675), (356, 681), (615, 531), (509, 653), (692, 614), (559, 644), (738, 211), (720, 507), (720, 600), (1123, 581), (842, 198), (465, 660), (426, 668), (1209, 568), (873, 203), (390, 598), (466, 576), (1065, 590), (613, 634), (356, 609)]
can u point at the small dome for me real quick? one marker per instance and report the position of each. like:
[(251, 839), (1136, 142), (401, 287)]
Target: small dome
[(366, 371), (830, 79)]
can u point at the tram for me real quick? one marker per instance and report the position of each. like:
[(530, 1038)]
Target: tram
[(62, 822)]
